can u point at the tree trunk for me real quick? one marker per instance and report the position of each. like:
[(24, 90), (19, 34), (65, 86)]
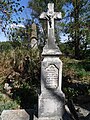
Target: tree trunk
[(77, 45), (77, 26)]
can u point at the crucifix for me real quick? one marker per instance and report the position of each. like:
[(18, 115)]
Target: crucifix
[(50, 16)]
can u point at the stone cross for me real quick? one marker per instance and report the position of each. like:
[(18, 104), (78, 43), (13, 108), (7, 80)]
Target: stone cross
[(50, 16)]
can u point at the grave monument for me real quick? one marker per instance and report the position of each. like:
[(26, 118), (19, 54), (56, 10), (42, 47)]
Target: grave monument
[(51, 100), (34, 36)]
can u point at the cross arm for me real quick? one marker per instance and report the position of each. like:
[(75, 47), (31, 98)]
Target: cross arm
[(43, 15), (58, 15)]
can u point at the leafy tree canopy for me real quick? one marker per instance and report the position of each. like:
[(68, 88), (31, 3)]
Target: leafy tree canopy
[(7, 9)]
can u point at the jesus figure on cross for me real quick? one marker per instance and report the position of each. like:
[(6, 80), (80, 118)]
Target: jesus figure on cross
[(50, 15)]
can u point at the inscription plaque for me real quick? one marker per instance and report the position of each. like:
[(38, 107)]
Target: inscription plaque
[(52, 76)]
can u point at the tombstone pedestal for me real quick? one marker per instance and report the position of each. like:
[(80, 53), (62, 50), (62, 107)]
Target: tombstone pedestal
[(48, 118), (51, 100), (51, 107)]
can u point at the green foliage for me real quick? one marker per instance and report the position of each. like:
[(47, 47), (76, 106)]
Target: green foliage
[(73, 90), (76, 77), (76, 70), (5, 46), (23, 69), (6, 103), (70, 92), (67, 48), (29, 78), (81, 73), (22, 66), (78, 27)]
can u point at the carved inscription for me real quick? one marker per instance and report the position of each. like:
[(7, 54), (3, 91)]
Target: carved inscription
[(51, 76)]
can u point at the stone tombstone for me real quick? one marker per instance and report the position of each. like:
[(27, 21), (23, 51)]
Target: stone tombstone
[(51, 99), (34, 36), (15, 115)]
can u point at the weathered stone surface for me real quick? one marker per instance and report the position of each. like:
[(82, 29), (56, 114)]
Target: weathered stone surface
[(51, 72), (51, 100), (0, 118), (48, 118), (34, 31), (15, 115), (51, 48), (34, 36), (52, 75), (50, 15)]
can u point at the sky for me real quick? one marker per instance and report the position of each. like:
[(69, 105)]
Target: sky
[(25, 14), (2, 36)]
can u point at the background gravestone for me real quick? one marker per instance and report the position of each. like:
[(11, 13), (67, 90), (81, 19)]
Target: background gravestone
[(34, 36)]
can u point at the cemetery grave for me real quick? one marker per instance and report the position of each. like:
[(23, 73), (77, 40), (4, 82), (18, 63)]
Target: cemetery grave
[(51, 99)]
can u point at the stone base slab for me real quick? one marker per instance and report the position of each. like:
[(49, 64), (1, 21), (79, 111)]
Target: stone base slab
[(47, 118), (16, 115)]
